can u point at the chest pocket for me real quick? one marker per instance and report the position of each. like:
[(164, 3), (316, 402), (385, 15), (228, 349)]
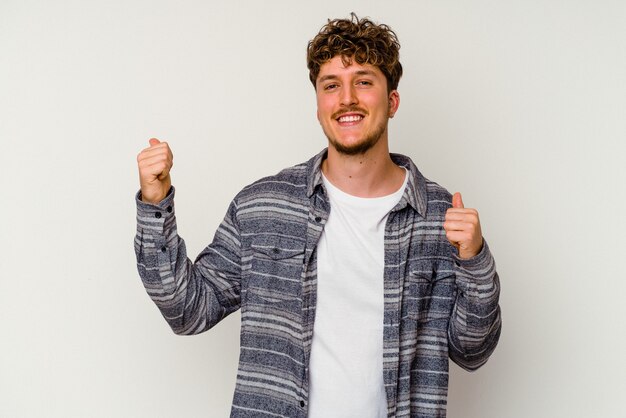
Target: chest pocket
[(429, 292), (275, 270), (276, 247)]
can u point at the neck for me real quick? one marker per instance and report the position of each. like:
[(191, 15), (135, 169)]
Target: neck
[(371, 174)]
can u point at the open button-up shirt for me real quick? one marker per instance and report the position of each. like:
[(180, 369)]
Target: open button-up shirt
[(263, 261)]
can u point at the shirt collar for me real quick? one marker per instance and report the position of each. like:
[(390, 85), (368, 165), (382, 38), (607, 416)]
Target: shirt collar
[(414, 194)]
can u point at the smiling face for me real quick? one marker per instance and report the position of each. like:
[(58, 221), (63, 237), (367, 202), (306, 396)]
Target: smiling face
[(353, 105)]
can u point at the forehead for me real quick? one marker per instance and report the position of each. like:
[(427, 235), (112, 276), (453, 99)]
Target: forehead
[(335, 67)]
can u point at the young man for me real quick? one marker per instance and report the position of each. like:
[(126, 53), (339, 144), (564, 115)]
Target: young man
[(356, 276)]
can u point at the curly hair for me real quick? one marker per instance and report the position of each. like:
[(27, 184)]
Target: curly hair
[(356, 39)]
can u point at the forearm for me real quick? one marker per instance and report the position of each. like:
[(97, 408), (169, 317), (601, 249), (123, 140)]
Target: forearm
[(180, 289), (475, 324)]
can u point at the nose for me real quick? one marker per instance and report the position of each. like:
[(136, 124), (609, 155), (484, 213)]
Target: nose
[(348, 96)]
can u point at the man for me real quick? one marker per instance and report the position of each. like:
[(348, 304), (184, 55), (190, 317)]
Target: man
[(356, 276)]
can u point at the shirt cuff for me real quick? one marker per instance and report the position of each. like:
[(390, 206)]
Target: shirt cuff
[(152, 217), (481, 259), (479, 269)]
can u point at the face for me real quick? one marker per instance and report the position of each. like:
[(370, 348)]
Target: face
[(353, 105)]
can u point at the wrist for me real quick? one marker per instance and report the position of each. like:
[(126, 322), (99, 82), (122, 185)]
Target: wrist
[(153, 198)]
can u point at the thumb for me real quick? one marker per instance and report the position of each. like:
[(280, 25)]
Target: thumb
[(154, 141), (457, 201)]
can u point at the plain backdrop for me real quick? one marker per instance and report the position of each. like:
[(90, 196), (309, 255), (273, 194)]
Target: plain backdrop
[(520, 105)]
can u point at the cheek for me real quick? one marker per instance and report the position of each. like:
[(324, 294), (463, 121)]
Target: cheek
[(324, 108)]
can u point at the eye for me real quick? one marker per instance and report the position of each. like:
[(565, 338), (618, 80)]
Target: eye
[(364, 83), (330, 86)]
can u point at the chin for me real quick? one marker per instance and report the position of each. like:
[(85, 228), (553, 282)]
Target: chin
[(355, 147)]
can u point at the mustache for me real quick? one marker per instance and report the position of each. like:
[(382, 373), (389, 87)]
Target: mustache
[(349, 109)]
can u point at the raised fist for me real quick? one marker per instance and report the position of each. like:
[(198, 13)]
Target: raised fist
[(155, 163)]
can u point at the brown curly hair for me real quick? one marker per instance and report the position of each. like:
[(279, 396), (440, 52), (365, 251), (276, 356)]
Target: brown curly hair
[(358, 39)]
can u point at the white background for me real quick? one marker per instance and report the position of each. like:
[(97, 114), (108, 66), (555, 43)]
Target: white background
[(520, 105)]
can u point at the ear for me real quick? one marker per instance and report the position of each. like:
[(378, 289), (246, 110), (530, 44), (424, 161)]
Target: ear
[(394, 102)]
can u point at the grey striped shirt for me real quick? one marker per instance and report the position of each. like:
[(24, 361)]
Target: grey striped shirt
[(263, 261)]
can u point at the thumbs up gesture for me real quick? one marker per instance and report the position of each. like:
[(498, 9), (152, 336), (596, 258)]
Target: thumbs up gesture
[(155, 163), (462, 228)]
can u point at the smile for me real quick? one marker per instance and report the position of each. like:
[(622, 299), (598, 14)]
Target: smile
[(349, 118)]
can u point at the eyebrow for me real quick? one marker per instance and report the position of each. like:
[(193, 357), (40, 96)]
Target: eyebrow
[(334, 76)]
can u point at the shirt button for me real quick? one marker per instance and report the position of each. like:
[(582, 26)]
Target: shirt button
[(275, 250), (157, 215), (163, 249), (169, 209), (302, 404), (318, 219)]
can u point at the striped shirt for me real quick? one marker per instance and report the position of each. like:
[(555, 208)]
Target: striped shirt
[(263, 261)]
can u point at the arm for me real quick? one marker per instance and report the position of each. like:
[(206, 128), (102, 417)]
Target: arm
[(191, 296), (475, 324)]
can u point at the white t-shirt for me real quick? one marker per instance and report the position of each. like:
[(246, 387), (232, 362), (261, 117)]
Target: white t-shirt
[(346, 365)]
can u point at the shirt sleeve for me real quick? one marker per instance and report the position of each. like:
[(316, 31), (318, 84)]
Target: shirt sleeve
[(475, 324), (192, 296)]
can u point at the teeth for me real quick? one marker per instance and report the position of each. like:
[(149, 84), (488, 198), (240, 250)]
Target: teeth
[(351, 118)]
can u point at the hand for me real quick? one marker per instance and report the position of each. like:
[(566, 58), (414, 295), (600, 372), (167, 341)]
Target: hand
[(462, 228), (155, 164)]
